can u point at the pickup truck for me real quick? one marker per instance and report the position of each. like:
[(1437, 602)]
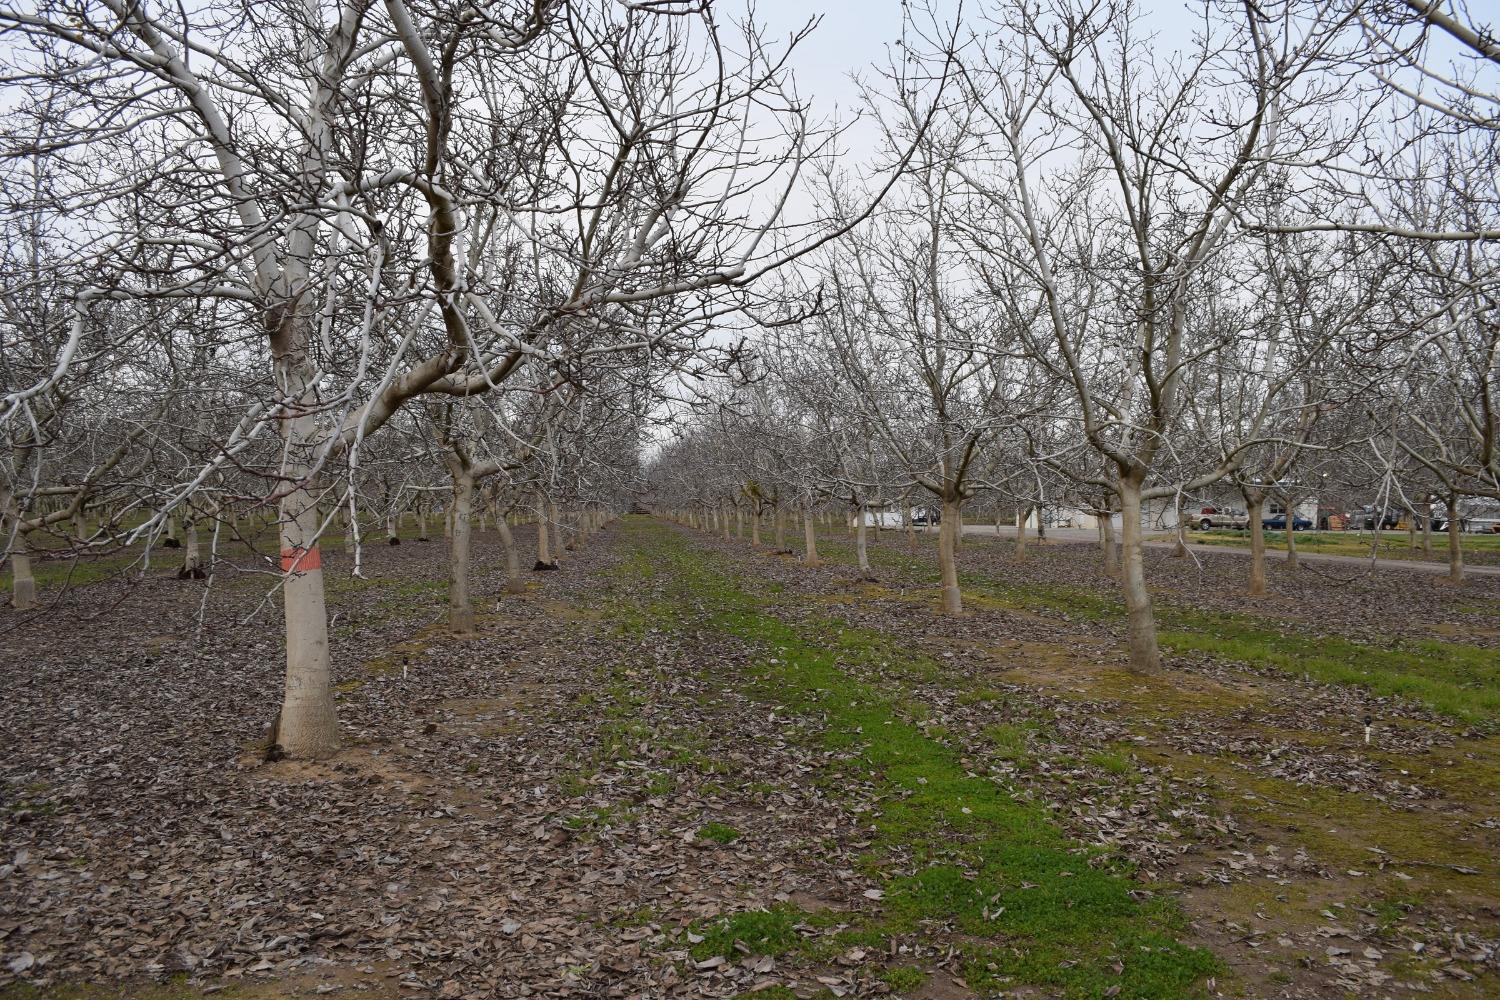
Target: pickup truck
[(1223, 517)]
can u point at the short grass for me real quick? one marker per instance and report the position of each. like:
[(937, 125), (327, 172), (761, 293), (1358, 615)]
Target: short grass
[(1031, 906), (718, 833), (1457, 679), (1388, 545)]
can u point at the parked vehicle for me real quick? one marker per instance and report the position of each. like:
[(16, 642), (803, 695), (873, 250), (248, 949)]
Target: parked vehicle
[(1472, 525), (1223, 517), (1365, 517), (1277, 522), (922, 518)]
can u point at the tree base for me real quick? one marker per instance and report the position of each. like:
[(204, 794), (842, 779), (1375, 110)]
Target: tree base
[(171, 543), (542, 567), (393, 541), (192, 573)]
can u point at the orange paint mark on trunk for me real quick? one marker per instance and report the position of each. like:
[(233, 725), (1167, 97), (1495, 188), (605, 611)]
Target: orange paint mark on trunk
[(301, 560)]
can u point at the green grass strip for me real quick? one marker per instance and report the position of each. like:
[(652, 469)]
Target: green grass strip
[(1456, 679), (1032, 906)]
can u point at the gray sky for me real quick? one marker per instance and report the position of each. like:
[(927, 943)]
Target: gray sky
[(852, 34)]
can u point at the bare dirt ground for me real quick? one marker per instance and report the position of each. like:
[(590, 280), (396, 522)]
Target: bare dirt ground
[(594, 798)]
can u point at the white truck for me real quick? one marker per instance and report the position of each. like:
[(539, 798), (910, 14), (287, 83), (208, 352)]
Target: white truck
[(1223, 517)]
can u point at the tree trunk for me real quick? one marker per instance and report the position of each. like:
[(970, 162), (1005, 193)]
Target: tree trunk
[(1427, 530), (422, 525), (351, 533), (861, 549), (460, 608), (1291, 540), (810, 541), (1145, 654), (949, 529), (1107, 535), (755, 527), (1253, 508), (1180, 550), (780, 522), (308, 726), (1455, 543), (724, 525), (543, 541), (513, 582), (22, 583), (739, 522), (192, 560), (557, 534), (1022, 513), (80, 529)]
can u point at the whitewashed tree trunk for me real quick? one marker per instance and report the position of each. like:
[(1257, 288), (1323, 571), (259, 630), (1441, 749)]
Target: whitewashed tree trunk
[(192, 560), (948, 531), (1022, 513), (22, 582), (308, 725), (392, 536), (557, 534), (724, 525), (1145, 653), (1455, 543), (543, 540), (1107, 542), (1180, 549), (755, 527), (809, 540), (460, 607), (780, 528), (1253, 508), (861, 549), (513, 582), (422, 524)]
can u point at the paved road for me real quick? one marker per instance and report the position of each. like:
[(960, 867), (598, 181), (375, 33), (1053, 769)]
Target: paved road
[(1350, 562)]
